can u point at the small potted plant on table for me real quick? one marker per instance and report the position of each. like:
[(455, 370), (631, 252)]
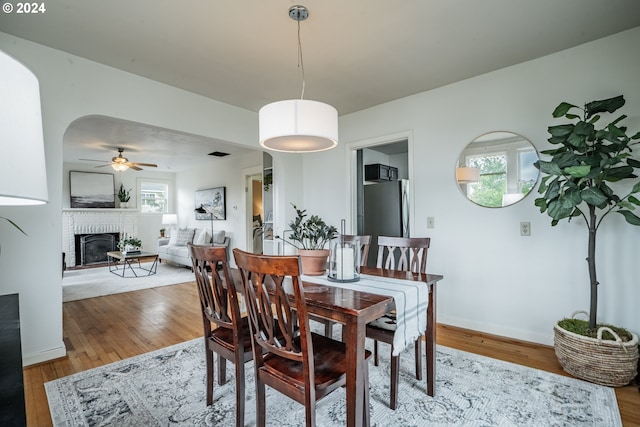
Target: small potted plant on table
[(310, 236), (129, 245), (576, 185)]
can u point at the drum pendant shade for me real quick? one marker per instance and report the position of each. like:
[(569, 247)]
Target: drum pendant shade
[(298, 126), (23, 177)]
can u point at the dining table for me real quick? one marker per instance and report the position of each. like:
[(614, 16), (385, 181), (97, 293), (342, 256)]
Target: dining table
[(354, 309)]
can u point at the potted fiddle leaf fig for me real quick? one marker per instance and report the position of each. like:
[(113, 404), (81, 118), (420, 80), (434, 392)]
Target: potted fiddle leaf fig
[(310, 236), (591, 175)]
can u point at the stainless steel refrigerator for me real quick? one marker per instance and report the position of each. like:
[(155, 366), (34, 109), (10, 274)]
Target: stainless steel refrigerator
[(386, 213)]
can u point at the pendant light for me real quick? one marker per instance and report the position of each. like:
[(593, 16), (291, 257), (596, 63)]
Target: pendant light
[(23, 177), (298, 125)]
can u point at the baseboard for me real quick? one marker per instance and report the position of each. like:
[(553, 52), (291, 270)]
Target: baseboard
[(499, 330), (45, 356)]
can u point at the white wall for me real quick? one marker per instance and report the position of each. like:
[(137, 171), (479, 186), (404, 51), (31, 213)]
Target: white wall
[(495, 280), (72, 87)]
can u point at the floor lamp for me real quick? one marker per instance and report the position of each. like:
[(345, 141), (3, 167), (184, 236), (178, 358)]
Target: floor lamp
[(203, 210)]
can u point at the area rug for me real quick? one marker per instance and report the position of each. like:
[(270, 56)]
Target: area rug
[(97, 282), (167, 387)]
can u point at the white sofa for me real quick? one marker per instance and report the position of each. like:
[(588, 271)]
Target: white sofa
[(175, 248)]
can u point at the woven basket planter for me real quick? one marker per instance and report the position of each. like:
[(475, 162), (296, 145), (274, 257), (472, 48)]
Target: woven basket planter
[(604, 362)]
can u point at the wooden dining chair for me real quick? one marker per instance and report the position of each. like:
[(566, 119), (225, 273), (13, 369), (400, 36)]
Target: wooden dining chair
[(406, 254), (226, 333), (364, 242), (302, 365)]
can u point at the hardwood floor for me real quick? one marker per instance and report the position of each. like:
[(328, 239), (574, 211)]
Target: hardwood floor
[(102, 330)]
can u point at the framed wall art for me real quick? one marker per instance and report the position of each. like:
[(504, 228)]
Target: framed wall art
[(91, 190), (213, 201)]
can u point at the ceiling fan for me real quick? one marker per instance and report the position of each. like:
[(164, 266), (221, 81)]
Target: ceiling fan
[(121, 163)]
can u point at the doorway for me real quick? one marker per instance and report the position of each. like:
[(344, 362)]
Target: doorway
[(255, 213), (382, 192)]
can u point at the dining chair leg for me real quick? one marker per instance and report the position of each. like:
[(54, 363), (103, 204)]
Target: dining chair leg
[(375, 352), (395, 377), (261, 407), (222, 370), (209, 376), (328, 328), (418, 350), (239, 392)]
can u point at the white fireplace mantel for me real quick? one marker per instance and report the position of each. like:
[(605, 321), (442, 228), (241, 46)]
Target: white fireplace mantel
[(95, 221)]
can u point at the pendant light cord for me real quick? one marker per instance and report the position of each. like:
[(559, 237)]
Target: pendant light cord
[(300, 61)]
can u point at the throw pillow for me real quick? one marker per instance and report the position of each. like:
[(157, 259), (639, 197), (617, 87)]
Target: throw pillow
[(201, 237), (218, 236), (173, 236), (185, 235)]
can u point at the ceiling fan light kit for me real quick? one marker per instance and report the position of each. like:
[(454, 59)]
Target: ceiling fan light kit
[(298, 125)]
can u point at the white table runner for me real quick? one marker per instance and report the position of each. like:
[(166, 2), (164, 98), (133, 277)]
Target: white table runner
[(411, 299)]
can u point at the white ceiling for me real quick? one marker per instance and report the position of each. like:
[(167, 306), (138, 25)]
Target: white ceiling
[(357, 53)]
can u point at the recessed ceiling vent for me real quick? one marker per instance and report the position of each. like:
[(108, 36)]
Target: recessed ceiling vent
[(218, 154)]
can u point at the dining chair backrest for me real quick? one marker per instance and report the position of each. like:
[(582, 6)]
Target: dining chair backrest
[(287, 356), (364, 241), (275, 323), (226, 333), (219, 303), (403, 253)]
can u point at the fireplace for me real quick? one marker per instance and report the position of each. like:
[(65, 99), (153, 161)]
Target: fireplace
[(92, 248), (79, 223)]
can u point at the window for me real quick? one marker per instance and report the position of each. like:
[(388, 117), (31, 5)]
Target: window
[(154, 197)]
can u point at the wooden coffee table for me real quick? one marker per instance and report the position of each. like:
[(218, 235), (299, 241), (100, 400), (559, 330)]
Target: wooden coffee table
[(119, 263)]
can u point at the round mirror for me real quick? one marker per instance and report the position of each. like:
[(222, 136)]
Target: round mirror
[(496, 169)]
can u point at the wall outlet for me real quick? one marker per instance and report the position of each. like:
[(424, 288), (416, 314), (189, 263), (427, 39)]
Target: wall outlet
[(431, 222), (525, 229)]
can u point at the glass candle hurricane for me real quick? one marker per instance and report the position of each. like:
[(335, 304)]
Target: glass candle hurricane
[(344, 261)]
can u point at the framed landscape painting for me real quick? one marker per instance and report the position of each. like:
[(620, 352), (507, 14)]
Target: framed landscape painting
[(213, 201), (92, 190)]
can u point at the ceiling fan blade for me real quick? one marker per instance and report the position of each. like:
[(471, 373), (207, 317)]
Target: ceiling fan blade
[(93, 160), (103, 166), (150, 165), (135, 168)]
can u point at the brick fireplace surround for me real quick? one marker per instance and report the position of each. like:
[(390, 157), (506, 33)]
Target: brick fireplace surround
[(94, 221)]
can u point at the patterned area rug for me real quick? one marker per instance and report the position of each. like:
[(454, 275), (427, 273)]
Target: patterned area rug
[(97, 282), (167, 387)]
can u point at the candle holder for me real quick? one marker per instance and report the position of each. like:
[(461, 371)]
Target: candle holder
[(344, 261)]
